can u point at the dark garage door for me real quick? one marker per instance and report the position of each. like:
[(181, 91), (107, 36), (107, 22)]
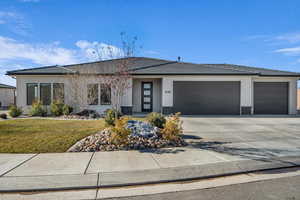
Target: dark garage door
[(271, 97), (207, 97)]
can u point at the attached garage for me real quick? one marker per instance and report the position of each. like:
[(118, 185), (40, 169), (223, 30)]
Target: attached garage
[(271, 97), (207, 97)]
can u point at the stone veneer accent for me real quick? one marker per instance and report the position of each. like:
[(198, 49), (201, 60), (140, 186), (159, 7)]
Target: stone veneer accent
[(246, 110), (126, 110), (167, 110)]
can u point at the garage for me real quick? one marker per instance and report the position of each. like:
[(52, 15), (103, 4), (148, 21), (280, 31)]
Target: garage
[(271, 97), (206, 97)]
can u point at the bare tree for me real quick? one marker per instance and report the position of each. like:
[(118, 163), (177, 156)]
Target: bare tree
[(116, 82), (120, 78)]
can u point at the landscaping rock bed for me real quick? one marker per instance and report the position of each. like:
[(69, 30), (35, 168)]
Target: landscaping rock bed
[(143, 136)]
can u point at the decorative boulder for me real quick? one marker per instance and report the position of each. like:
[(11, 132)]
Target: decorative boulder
[(142, 129)]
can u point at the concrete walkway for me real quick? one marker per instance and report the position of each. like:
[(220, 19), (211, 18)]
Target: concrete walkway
[(31, 172)]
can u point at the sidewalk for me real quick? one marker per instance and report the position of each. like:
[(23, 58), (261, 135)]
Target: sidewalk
[(33, 172)]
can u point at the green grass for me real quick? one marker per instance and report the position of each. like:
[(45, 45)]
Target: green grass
[(44, 135)]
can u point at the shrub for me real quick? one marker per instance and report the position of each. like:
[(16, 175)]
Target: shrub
[(173, 127), (156, 119), (3, 116), (119, 133), (67, 110), (14, 111), (37, 109), (110, 116), (56, 108)]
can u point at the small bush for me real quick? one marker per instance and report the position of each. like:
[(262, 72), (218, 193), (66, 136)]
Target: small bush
[(110, 117), (14, 111), (173, 127), (67, 110), (156, 119), (56, 108), (3, 116), (37, 109), (120, 133)]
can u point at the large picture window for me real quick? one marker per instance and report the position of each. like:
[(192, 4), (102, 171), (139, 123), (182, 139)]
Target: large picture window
[(93, 94), (45, 93), (32, 92), (105, 94), (58, 92)]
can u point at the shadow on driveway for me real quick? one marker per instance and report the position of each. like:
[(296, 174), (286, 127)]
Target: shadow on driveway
[(260, 154)]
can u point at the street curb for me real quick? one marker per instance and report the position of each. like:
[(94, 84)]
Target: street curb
[(143, 177)]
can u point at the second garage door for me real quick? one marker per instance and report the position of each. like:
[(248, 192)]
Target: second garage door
[(207, 97), (271, 97)]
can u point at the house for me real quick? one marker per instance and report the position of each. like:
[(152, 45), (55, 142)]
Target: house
[(7, 96), (169, 86)]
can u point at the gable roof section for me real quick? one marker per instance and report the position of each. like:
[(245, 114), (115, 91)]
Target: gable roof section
[(6, 86), (153, 66)]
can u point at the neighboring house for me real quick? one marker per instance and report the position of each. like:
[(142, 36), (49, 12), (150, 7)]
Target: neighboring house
[(7, 96), (172, 86)]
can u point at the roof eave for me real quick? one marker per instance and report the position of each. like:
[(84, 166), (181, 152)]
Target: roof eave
[(291, 75)]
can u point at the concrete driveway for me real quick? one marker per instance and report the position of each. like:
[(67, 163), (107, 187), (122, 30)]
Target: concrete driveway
[(249, 137)]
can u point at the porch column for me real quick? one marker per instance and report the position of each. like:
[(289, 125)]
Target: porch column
[(167, 95), (246, 96), (126, 106), (293, 96)]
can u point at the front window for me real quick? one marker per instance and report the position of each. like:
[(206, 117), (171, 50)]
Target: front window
[(105, 94), (32, 92), (93, 94), (45, 93), (58, 92)]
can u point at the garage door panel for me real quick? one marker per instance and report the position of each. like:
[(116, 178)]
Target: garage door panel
[(271, 97), (207, 97)]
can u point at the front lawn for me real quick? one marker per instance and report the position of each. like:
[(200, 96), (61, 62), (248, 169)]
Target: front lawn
[(44, 135)]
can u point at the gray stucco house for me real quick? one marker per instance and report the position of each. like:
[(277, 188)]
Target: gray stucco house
[(172, 86), (7, 96)]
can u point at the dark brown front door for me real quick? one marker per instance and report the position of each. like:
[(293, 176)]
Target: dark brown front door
[(147, 96)]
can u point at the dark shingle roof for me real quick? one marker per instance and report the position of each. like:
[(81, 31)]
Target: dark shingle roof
[(152, 66), (7, 86)]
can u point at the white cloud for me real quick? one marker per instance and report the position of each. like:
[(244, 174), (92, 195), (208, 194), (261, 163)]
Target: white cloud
[(43, 54), (7, 80), (289, 37), (289, 51), (17, 55), (98, 50)]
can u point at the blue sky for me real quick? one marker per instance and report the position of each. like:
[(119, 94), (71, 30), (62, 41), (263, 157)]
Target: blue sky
[(249, 32)]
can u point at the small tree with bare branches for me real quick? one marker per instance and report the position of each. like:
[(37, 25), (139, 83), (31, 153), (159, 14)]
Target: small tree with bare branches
[(118, 81), (121, 80)]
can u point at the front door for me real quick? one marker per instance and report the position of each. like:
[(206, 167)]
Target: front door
[(147, 96)]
